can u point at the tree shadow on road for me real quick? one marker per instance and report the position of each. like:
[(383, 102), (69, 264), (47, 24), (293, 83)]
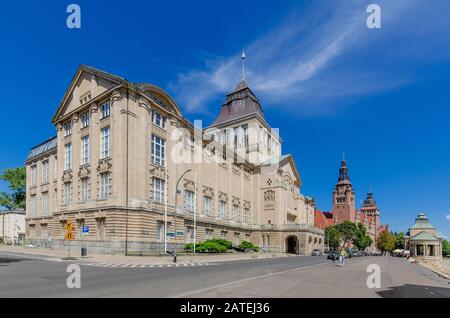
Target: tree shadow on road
[(415, 291), (6, 261)]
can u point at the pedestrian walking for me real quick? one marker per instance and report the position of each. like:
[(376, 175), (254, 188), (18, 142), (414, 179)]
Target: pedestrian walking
[(342, 255)]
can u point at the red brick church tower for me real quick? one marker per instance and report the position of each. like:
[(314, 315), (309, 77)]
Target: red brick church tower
[(344, 197)]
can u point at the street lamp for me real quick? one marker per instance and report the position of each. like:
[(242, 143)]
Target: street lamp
[(176, 210)]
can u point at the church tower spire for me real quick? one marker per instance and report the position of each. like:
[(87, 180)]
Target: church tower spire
[(344, 196)]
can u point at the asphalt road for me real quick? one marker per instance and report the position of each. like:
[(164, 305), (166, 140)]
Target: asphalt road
[(33, 276)]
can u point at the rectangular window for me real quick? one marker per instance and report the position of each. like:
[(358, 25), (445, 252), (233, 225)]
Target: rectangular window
[(45, 203), (237, 238), (101, 229), (207, 205), (105, 142), (158, 119), (245, 135), (209, 234), (158, 190), (236, 137), (45, 171), (68, 157), (85, 150), (67, 193), (33, 176), (222, 209), (158, 150), (67, 129), (105, 110), (189, 200), (85, 190), (224, 234), (189, 234), (235, 213), (33, 205), (160, 230), (105, 186), (85, 120), (246, 215)]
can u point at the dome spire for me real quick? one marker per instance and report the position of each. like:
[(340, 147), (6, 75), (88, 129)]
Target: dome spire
[(243, 65)]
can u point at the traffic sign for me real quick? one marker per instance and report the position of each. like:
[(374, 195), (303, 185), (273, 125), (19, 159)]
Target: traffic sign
[(70, 229), (85, 230)]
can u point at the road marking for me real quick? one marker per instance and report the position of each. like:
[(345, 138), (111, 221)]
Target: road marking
[(144, 265), (247, 279)]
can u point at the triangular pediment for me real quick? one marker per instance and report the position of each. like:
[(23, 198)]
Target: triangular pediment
[(87, 85), (290, 170)]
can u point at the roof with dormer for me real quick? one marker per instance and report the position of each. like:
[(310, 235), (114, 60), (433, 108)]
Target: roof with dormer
[(241, 103)]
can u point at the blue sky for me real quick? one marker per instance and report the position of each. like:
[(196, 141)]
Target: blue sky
[(326, 81)]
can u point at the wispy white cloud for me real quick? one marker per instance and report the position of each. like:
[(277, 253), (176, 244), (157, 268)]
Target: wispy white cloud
[(448, 217), (324, 52)]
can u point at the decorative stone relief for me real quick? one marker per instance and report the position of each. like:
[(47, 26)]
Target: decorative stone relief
[(158, 101), (189, 185), (104, 166), (158, 172), (208, 192), (93, 109), (269, 200), (236, 201), (174, 122), (116, 96), (67, 176), (246, 205), (159, 131), (236, 169), (84, 172), (223, 197)]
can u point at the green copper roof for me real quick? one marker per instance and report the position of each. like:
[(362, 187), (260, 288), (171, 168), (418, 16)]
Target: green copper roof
[(422, 222), (424, 236)]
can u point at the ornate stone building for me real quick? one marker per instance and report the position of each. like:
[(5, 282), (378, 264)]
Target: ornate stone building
[(424, 241), (344, 208), (121, 151)]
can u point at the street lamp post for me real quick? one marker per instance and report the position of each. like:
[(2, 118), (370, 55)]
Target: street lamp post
[(176, 211)]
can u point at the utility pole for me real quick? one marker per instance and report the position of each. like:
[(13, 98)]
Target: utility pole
[(176, 210), (3, 227)]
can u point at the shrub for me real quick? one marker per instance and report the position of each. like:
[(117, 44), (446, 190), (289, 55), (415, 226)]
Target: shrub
[(245, 246), (210, 246), (226, 243)]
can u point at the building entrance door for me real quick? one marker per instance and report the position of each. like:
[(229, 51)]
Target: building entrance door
[(291, 245)]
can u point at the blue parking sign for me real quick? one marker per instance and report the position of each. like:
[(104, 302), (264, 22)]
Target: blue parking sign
[(85, 229)]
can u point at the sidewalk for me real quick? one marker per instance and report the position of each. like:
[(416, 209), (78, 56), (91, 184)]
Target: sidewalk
[(138, 260)]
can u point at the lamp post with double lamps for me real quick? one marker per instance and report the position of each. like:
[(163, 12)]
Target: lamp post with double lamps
[(176, 211)]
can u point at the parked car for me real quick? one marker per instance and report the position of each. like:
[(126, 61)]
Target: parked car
[(317, 252), (333, 255), (348, 253)]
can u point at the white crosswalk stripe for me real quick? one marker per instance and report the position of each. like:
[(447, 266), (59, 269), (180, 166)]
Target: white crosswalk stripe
[(137, 266)]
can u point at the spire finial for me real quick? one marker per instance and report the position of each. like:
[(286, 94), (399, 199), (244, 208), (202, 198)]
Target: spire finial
[(243, 64), (343, 156)]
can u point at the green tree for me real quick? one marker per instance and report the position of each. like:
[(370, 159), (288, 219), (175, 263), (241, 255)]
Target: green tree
[(16, 179), (386, 242), (362, 240), (348, 231), (332, 237), (445, 248), (399, 241)]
